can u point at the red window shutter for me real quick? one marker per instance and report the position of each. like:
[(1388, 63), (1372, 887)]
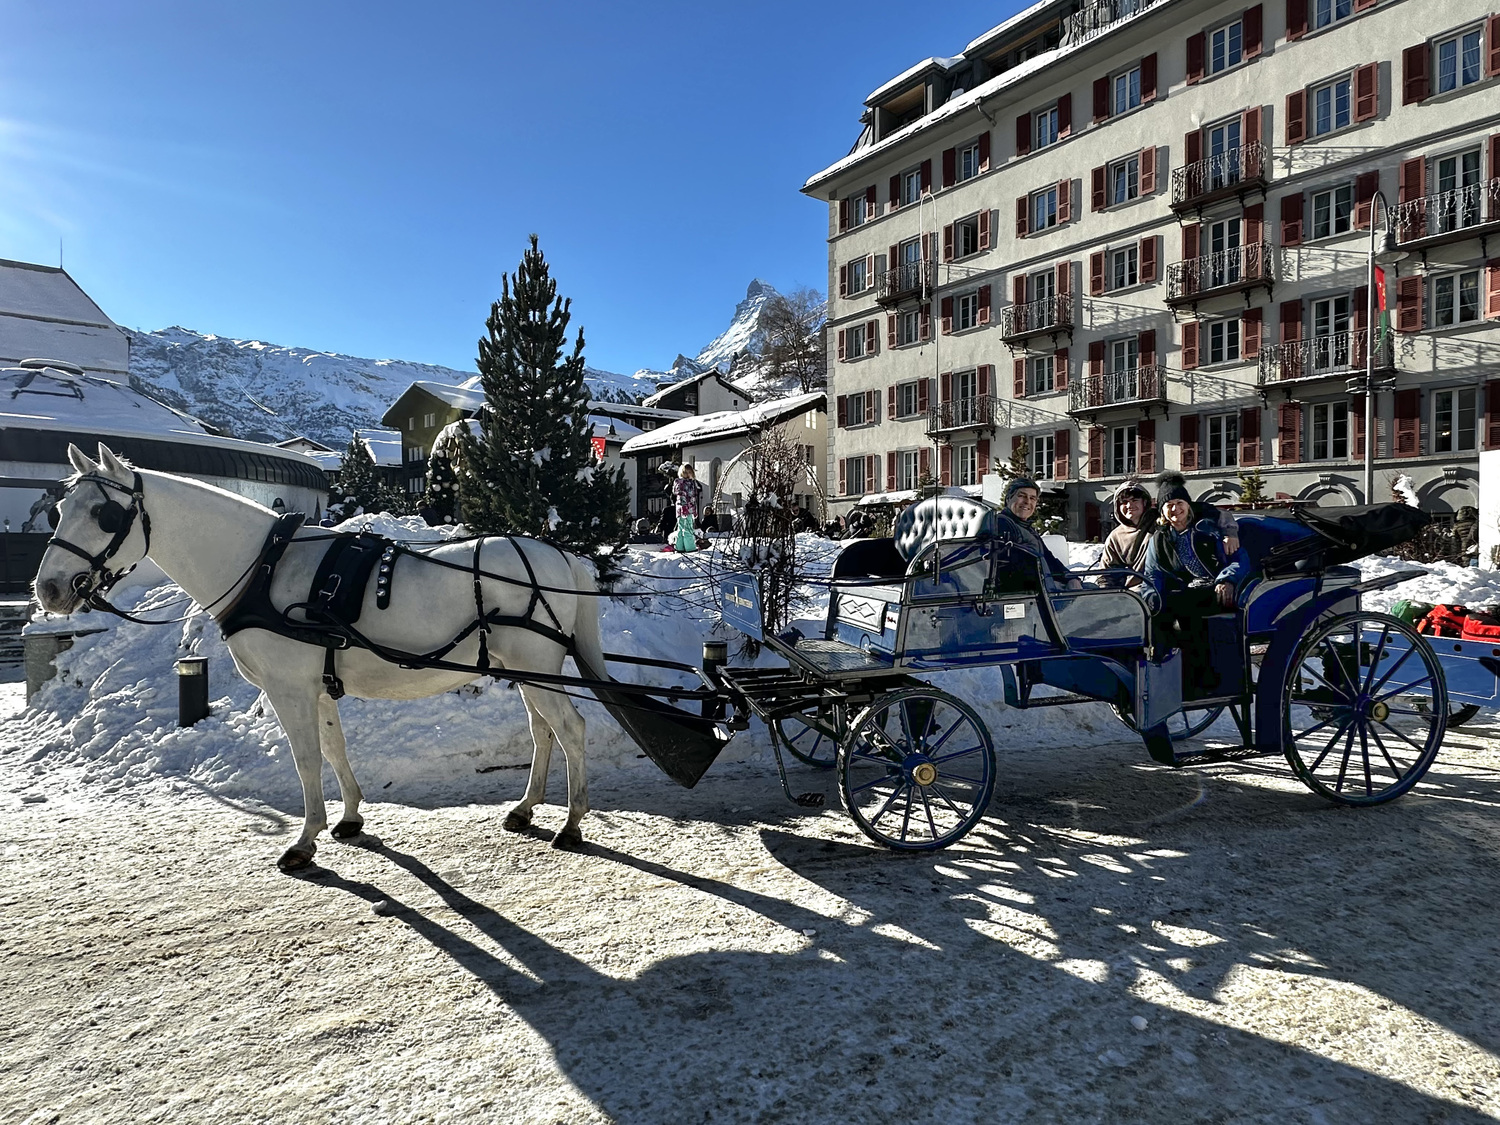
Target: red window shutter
[(948, 243), (926, 175), (945, 386), (1096, 189), (1291, 321), (1096, 452), (1146, 257), (1250, 31), (1101, 99), (1360, 303), (1023, 134), (1296, 117), (1367, 92), (1148, 170), (872, 404), (1365, 188), (1250, 323), (1096, 358), (945, 465), (1189, 242), (843, 410), (893, 258), (890, 331), (1494, 156), (872, 331), (984, 151), (1413, 175), (870, 203), (926, 247), (1093, 525), (1187, 442), (1148, 78), (1492, 60), (1065, 116), (1289, 433), (895, 192), (924, 462), (984, 374), (950, 166), (1250, 128), (1064, 279), (843, 476), (924, 322), (947, 311), (1064, 201), (843, 281), (1357, 427), (1018, 289), (1492, 289), (1021, 216), (1145, 347), (843, 214), (1296, 19), (1195, 59), (1019, 387), (1415, 83), (1145, 445), (1192, 147), (1255, 222), (1096, 274), (1060, 369), (984, 229), (984, 304), (1291, 220), (1492, 414), (890, 470), (841, 346), (1409, 304), (1189, 345), (1364, 5), (872, 467), (1015, 446), (982, 455), (1061, 454), (1408, 417), (1250, 436), (890, 402)]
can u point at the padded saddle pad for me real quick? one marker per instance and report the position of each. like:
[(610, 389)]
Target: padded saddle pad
[(941, 517), (338, 586)]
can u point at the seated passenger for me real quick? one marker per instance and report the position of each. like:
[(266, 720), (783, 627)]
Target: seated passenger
[(1021, 499), (1125, 548)]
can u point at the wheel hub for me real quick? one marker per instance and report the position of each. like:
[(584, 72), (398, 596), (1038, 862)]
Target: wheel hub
[(921, 771), (1380, 711)]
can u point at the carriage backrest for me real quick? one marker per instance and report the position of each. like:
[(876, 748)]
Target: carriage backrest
[(941, 517)]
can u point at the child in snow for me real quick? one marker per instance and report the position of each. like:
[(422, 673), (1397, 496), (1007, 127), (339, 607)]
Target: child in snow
[(686, 493)]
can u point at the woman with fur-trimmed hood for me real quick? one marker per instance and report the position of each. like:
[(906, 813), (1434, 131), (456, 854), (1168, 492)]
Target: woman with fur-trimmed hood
[(1125, 547)]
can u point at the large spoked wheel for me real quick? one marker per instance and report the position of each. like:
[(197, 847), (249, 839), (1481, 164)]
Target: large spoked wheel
[(917, 770), (1190, 722), (811, 738), (1366, 708)]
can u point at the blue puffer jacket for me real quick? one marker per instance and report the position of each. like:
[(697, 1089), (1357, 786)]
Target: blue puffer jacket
[(1166, 574)]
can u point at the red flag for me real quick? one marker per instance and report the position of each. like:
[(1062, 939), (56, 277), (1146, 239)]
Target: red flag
[(1379, 289), (599, 443)]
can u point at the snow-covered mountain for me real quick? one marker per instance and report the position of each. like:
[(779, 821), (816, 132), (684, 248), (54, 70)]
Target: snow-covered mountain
[(744, 333)]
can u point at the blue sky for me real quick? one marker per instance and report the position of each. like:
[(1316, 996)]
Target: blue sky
[(357, 177)]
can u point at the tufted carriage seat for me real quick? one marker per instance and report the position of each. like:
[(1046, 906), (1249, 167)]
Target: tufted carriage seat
[(941, 517)]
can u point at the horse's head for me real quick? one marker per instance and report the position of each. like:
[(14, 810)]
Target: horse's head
[(100, 531)]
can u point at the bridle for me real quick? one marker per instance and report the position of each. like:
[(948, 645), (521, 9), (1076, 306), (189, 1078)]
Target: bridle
[(115, 520)]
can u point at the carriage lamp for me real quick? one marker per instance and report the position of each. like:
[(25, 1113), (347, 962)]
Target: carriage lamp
[(192, 690), (715, 656)]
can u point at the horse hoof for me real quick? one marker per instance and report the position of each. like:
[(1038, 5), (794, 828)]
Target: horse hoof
[(568, 840), (516, 822), (295, 859), (347, 829)]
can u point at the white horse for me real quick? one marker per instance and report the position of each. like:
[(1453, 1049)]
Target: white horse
[(208, 539)]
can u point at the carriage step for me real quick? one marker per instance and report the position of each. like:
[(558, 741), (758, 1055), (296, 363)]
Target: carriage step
[(810, 800), (1222, 754)]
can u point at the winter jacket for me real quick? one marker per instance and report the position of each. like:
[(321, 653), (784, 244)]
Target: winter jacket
[(686, 492), (1010, 527), (1166, 573)]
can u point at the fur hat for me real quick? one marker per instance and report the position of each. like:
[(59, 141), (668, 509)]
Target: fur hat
[(1171, 486)]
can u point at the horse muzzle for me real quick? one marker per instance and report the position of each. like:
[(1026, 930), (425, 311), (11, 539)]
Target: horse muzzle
[(60, 597)]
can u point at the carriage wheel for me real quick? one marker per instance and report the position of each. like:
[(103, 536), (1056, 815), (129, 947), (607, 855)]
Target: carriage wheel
[(811, 738), (1190, 722), (917, 770), (1366, 708)]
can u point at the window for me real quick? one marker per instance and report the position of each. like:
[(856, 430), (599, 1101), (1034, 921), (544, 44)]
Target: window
[(859, 209), (1224, 154), (854, 473), (411, 423), (859, 276), (1045, 132), (1041, 456), (854, 345), (1333, 211), (968, 162), (1331, 106), (966, 237), (907, 469), (1455, 298), (1039, 374), (1330, 329), (1124, 180), (1127, 90), (1454, 420), (429, 420), (906, 399), (1223, 340), (1044, 209), (415, 453), (1330, 11), (416, 485), (966, 464), (965, 311), (1043, 286), (690, 397), (1223, 441), (1124, 354), (1458, 61), (1455, 180), (911, 187), (1122, 450), (1223, 245), (1225, 47), (908, 327), (1330, 431), (1123, 267)]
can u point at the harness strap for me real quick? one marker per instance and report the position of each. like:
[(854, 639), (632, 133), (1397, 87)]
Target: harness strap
[(479, 622), (331, 682)]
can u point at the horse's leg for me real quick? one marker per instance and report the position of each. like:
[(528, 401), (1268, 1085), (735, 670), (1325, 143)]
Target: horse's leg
[(297, 711), (519, 818), (567, 724), (331, 735)]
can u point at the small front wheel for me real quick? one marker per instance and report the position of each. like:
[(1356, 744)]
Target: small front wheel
[(917, 770), (810, 737), (1190, 722)]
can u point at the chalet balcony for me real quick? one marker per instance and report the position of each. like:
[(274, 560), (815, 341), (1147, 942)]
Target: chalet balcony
[(1219, 274), (1095, 17), (976, 413), (1225, 176), (1145, 385), (1037, 318), (906, 281), (1338, 355), (1449, 216)]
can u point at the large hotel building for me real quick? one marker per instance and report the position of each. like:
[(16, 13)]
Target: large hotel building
[(1123, 236)]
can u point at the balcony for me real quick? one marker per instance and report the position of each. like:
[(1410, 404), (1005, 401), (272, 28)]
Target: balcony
[(1338, 355), (907, 281), (1219, 274), (976, 413), (1036, 318), (1095, 17), (1227, 175), (1145, 385), (1449, 216)]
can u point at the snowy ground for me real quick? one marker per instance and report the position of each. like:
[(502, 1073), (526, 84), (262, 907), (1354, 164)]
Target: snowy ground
[(1116, 942)]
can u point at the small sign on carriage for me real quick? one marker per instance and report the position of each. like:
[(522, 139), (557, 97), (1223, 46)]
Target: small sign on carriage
[(740, 604)]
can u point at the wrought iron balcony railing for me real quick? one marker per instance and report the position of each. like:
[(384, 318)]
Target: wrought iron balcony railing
[(1143, 384), (974, 413), (1448, 212), (1224, 271), (905, 281), (1337, 354), (1097, 16), (1050, 314), (1224, 174)]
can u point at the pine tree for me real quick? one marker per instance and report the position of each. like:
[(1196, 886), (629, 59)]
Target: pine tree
[(359, 488), (531, 470), (439, 501)]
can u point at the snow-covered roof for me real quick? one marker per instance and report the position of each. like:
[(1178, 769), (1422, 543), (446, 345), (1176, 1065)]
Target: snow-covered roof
[(303, 444), (698, 428), (383, 446), (977, 45), (460, 398), (50, 398), (618, 409), (46, 291), (331, 460), (934, 63), (622, 431), (692, 380), (900, 496)]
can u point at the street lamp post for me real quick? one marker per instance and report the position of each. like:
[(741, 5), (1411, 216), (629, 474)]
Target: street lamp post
[(934, 325), (1388, 253)]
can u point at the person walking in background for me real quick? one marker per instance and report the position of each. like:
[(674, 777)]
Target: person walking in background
[(686, 494)]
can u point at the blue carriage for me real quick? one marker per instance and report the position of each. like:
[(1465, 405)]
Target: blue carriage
[(1356, 700)]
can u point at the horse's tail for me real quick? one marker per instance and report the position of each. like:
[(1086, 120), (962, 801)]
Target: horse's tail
[(588, 649)]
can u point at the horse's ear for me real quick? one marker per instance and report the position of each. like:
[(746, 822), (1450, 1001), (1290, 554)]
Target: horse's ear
[(80, 460), (111, 464)]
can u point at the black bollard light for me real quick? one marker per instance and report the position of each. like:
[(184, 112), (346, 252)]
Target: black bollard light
[(715, 656), (192, 690)]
